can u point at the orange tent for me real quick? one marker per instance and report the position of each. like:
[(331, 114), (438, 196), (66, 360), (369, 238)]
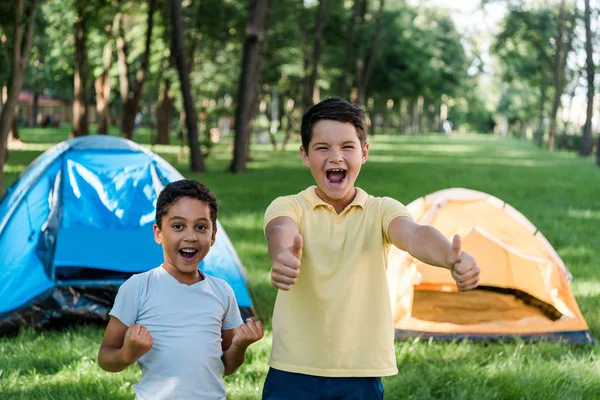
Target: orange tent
[(524, 286)]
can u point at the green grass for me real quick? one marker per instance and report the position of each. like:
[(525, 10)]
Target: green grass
[(559, 193)]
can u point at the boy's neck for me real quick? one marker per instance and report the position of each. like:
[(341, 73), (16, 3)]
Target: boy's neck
[(338, 205), (183, 278)]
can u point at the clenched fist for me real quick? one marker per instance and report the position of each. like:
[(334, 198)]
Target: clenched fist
[(286, 266), (248, 333), (136, 343), (464, 268)]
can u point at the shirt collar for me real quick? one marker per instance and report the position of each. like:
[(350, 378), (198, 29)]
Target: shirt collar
[(310, 194)]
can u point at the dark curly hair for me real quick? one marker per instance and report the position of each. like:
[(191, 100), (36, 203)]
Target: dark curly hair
[(185, 188)]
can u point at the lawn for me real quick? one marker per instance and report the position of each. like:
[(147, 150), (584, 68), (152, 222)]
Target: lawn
[(559, 193)]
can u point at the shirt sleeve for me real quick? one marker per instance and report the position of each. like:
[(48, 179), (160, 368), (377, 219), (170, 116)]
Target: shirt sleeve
[(391, 209), (126, 305), (285, 206), (231, 317)]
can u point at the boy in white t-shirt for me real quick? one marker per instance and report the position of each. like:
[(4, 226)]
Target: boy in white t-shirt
[(182, 327)]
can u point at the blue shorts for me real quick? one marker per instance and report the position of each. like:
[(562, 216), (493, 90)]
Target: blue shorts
[(281, 385)]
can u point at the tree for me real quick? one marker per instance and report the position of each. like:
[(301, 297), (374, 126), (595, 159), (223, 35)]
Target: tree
[(525, 47), (80, 117), (247, 92), (586, 142), (349, 49), (102, 83), (370, 60), (130, 96), (22, 38), (563, 39), (191, 121), (311, 95)]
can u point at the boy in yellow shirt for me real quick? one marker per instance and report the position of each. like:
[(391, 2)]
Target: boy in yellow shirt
[(333, 336)]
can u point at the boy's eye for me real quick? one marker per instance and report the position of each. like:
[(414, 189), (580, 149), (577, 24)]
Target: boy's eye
[(321, 148), (201, 227), (348, 147), (177, 226)]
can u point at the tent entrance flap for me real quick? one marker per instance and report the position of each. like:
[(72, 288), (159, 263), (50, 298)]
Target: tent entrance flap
[(486, 305)]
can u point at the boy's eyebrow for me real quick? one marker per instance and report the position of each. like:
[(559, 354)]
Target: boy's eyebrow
[(327, 144), (198, 219)]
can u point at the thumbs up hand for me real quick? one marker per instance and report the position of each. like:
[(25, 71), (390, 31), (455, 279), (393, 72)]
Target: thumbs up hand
[(463, 267), (286, 266)]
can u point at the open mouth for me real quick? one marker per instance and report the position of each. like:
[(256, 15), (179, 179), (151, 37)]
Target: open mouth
[(188, 254), (336, 176)]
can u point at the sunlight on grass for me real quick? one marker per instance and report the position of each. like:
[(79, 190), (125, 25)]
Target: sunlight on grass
[(428, 158), (434, 148), (38, 146), (584, 214), (14, 168), (586, 288), (580, 252), (250, 221)]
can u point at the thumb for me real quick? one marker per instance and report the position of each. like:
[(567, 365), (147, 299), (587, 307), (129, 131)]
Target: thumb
[(297, 246), (456, 249)]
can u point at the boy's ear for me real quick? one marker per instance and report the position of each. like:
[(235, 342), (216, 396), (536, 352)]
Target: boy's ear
[(365, 153), (304, 155), (157, 234), (214, 236)]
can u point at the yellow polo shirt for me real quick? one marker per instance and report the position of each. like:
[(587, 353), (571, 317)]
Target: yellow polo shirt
[(336, 321)]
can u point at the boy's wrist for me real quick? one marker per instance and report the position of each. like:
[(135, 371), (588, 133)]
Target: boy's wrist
[(123, 358), (239, 347)]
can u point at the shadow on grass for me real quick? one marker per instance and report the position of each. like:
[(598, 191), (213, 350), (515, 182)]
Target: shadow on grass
[(36, 351)]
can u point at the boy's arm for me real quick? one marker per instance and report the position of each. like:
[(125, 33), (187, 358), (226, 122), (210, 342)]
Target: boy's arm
[(122, 345), (236, 341), (285, 251), (428, 245)]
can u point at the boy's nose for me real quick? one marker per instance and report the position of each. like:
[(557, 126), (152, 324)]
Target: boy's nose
[(191, 238), (336, 156)]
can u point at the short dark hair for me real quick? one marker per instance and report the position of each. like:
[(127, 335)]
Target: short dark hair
[(336, 109), (185, 188)]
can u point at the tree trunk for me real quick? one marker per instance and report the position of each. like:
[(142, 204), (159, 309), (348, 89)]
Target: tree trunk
[(102, 86), (420, 112), (21, 48), (80, 120), (290, 123), (13, 135), (370, 61), (597, 153), (131, 98), (305, 75), (274, 125), (349, 49), (586, 142), (247, 86), (412, 111), (559, 72), (359, 62), (191, 119), (322, 14), (539, 135), (35, 109), (164, 113)]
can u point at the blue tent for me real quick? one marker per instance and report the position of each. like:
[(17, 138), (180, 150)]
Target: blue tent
[(78, 223)]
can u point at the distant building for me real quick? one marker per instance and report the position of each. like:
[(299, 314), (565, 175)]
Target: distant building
[(50, 111)]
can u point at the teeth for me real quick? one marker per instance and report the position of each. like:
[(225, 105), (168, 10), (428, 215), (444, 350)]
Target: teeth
[(336, 170), (188, 251)]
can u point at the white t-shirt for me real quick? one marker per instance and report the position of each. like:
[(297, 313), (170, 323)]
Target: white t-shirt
[(185, 322)]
